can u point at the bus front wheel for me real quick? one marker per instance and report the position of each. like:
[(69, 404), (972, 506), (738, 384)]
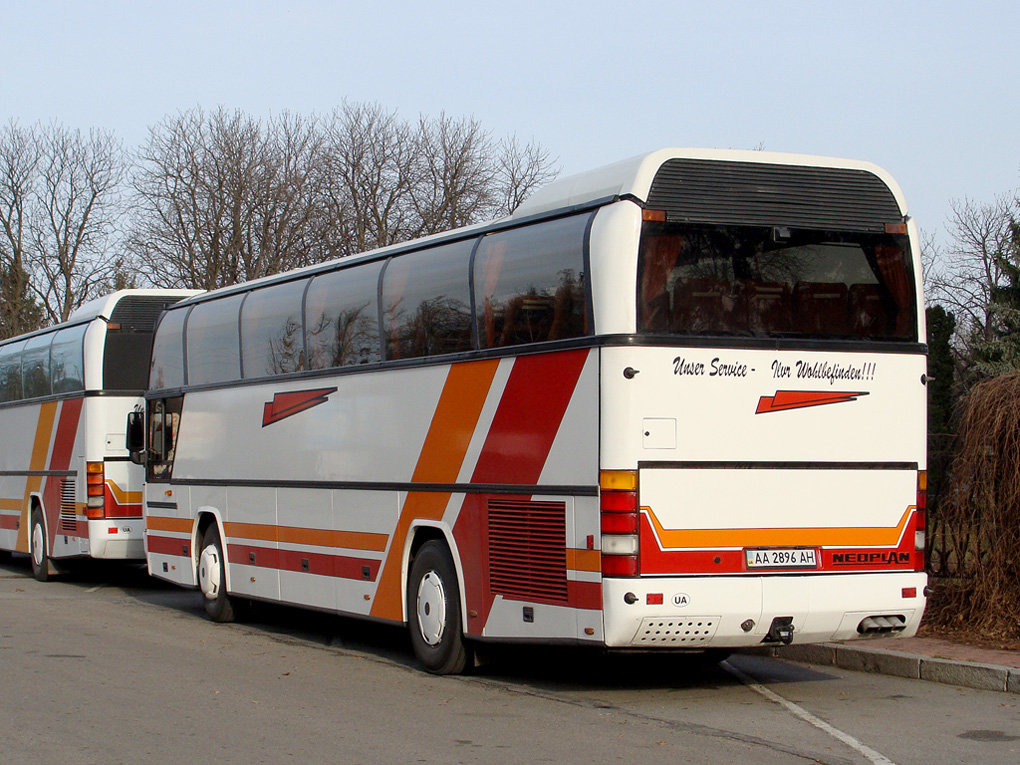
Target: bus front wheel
[(212, 578), (433, 610), (40, 553)]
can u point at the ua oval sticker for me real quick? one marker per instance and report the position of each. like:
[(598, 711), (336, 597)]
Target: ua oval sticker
[(681, 599)]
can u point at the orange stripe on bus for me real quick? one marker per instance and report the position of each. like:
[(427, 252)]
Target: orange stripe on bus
[(260, 531), (298, 535), (158, 523), (583, 560), (442, 454), (40, 451), (862, 536), (11, 504), (351, 540), (124, 497)]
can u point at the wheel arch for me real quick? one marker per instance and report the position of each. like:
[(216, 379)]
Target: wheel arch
[(35, 500), (420, 533), (205, 517)]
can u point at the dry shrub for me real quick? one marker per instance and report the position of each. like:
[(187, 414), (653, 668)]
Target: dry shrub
[(980, 513)]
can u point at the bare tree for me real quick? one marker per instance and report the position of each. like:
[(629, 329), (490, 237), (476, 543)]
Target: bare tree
[(19, 157), (964, 276), (455, 183), (77, 207), (223, 198), (60, 200), (520, 171), (369, 176)]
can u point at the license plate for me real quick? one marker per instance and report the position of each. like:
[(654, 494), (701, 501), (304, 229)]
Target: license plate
[(781, 558)]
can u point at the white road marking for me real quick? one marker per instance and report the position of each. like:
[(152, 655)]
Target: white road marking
[(803, 714)]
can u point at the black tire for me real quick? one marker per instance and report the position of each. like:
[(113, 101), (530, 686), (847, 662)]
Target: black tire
[(212, 578), (40, 553), (433, 612)]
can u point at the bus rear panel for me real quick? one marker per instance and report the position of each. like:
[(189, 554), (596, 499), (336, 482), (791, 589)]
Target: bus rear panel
[(764, 427)]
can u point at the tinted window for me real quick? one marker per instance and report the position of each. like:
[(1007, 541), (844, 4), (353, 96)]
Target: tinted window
[(342, 317), (426, 302), (10, 371), (167, 368), (213, 341), (529, 283), (271, 336), (35, 366), (67, 360), (745, 280)]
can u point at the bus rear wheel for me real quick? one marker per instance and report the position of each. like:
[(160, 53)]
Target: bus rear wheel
[(433, 611), (40, 552), (212, 578)]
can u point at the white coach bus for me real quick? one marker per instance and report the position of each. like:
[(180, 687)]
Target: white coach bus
[(676, 403), (67, 488)]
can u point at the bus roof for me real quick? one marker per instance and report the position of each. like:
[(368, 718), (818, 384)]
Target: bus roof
[(103, 306), (633, 177), (627, 178)]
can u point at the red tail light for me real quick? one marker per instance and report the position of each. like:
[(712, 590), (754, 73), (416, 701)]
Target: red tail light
[(620, 522), (95, 490), (920, 520)]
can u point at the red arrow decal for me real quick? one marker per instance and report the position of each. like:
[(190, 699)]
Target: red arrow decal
[(284, 405), (799, 399)]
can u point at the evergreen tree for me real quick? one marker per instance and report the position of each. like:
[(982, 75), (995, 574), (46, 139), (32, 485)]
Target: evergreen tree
[(999, 353), (19, 313), (941, 325)]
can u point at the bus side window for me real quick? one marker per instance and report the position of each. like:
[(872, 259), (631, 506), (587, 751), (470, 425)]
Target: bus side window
[(426, 302), (10, 371), (272, 332), (342, 317), (213, 341), (530, 284)]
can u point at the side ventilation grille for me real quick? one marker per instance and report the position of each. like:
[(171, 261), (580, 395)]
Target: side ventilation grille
[(68, 513), (527, 550)]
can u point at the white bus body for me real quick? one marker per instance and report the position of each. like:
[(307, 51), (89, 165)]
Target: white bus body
[(675, 403), (67, 489)]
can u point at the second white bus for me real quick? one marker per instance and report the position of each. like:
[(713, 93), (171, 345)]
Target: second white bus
[(67, 488)]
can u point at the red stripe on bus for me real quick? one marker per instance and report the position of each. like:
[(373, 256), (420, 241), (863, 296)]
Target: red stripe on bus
[(67, 429), (322, 564), (116, 510), (515, 451), (180, 548), (586, 595), (528, 417)]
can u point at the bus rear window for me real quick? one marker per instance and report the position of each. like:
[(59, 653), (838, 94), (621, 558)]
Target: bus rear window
[(774, 282)]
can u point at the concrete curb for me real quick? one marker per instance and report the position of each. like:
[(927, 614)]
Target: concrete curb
[(966, 674)]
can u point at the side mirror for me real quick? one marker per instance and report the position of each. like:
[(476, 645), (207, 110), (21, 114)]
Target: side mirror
[(134, 438)]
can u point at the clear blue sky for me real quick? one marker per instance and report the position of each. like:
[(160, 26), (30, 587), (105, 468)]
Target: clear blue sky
[(929, 90)]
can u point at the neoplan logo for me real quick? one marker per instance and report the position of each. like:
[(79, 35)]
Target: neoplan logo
[(285, 405)]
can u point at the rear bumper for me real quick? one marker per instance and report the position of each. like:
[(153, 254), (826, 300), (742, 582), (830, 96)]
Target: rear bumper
[(116, 539), (732, 612)]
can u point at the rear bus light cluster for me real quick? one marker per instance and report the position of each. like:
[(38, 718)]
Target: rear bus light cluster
[(920, 520), (95, 482), (620, 520)]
